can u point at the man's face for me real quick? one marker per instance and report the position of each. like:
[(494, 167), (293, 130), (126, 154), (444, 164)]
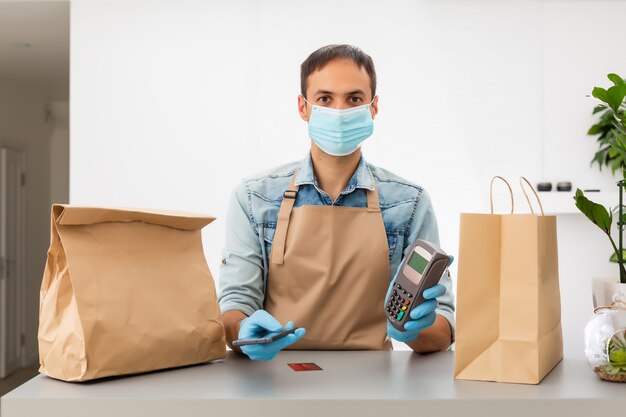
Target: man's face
[(341, 84)]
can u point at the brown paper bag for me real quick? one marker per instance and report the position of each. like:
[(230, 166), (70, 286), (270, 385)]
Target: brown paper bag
[(508, 299), (126, 291)]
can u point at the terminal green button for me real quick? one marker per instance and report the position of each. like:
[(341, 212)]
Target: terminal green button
[(400, 315)]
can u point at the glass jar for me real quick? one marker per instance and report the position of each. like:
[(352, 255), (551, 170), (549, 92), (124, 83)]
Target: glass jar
[(605, 343)]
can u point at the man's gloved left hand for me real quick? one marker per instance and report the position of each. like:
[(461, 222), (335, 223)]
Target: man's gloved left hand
[(263, 324), (422, 316)]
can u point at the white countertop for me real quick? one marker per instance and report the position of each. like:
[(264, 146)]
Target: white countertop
[(351, 383)]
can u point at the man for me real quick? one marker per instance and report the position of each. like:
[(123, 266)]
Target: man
[(317, 242)]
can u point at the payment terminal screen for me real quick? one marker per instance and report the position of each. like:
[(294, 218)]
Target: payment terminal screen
[(418, 262)]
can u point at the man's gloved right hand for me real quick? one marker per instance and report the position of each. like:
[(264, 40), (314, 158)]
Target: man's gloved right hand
[(263, 324), (422, 316)]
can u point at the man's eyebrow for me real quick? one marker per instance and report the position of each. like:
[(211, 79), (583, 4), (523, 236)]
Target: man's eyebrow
[(350, 93)]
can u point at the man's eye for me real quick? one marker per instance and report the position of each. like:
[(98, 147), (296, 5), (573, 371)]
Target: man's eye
[(324, 99), (355, 100)]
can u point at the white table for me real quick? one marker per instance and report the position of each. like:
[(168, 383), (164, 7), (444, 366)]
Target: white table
[(352, 383)]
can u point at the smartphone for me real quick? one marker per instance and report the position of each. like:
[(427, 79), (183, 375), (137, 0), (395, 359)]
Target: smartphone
[(243, 342)]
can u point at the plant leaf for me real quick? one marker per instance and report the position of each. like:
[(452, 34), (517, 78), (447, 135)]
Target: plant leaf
[(599, 108), (596, 129), (597, 213), (616, 164), (618, 143), (601, 94), (615, 96), (613, 257), (617, 353), (621, 129), (617, 342), (617, 80)]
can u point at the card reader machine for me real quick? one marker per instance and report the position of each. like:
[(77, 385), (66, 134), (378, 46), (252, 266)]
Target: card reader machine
[(421, 269)]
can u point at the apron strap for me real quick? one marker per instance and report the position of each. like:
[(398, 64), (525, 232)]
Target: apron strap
[(280, 236), (373, 205)]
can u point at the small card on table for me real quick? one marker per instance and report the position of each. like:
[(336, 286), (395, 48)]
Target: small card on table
[(308, 366)]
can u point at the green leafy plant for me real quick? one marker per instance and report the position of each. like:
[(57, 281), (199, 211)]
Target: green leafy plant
[(612, 140), (617, 356), (605, 126)]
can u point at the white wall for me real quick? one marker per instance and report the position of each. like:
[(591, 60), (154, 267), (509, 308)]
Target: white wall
[(60, 153), (23, 123), (173, 102)]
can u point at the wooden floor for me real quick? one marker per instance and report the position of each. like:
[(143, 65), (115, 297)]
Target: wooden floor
[(17, 378)]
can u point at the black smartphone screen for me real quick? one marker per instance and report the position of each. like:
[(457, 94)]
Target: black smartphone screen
[(243, 342)]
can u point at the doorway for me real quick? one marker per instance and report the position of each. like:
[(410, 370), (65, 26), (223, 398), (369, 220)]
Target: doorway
[(12, 277), (34, 167)]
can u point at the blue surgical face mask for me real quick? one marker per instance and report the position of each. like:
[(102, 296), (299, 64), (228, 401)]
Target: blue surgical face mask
[(340, 132)]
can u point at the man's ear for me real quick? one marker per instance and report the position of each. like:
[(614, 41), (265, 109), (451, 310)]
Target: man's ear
[(374, 108), (303, 109)]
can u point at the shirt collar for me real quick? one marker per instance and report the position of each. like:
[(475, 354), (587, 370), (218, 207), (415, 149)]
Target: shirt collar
[(362, 177)]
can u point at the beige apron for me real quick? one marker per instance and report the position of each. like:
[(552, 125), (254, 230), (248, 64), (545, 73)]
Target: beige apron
[(329, 273)]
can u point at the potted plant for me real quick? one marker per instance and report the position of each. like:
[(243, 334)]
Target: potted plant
[(611, 129), (605, 333), (605, 127)]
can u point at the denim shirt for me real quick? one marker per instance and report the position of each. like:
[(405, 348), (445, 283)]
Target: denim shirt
[(253, 211)]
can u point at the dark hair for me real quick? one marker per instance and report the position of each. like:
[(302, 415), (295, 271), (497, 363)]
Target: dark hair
[(318, 60)]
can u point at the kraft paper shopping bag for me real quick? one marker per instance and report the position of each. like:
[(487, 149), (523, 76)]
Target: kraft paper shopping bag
[(126, 291), (508, 298)]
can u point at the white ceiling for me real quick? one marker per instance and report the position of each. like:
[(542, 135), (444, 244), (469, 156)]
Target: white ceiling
[(45, 26)]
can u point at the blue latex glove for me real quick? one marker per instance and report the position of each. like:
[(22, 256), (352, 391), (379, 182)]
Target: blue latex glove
[(422, 316), (263, 324)]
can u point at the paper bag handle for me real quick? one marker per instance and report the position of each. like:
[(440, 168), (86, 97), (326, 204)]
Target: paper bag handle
[(521, 183), (491, 193)]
